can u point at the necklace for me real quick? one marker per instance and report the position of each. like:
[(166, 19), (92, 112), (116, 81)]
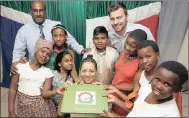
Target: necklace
[(131, 58)]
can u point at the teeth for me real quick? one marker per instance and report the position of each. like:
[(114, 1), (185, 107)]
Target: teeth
[(157, 92)]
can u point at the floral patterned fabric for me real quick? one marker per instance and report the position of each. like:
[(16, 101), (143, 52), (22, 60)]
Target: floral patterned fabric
[(58, 81), (34, 106)]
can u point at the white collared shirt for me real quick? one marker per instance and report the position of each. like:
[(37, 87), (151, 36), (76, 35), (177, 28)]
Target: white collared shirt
[(118, 41)]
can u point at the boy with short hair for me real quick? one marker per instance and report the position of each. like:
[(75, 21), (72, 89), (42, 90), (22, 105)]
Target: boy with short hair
[(104, 55)]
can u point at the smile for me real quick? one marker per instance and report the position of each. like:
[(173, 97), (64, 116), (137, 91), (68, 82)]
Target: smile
[(157, 92)]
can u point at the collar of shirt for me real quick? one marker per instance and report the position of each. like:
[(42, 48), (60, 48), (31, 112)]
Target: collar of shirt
[(100, 53), (129, 28), (37, 26)]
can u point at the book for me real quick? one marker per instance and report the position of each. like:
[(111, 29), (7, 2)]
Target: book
[(84, 98)]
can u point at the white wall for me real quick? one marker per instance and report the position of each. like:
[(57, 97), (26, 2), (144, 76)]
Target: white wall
[(183, 54)]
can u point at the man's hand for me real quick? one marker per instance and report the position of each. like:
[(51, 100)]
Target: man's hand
[(23, 59), (14, 70), (85, 50)]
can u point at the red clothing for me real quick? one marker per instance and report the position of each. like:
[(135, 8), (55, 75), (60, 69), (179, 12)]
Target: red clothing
[(125, 72), (124, 75), (178, 100)]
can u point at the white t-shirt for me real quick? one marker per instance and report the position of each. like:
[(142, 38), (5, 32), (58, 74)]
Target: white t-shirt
[(143, 81), (143, 109), (31, 81)]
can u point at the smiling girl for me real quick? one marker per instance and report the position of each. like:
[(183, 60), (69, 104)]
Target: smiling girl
[(26, 85)]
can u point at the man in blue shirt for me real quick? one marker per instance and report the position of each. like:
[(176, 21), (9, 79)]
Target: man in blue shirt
[(40, 28)]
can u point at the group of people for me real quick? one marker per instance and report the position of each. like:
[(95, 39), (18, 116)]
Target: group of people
[(124, 60)]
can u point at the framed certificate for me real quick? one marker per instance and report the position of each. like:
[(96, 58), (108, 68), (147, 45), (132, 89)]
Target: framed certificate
[(85, 98)]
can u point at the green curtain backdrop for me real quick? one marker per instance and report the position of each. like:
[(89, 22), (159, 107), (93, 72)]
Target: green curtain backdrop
[(73, 14), (100, 8)]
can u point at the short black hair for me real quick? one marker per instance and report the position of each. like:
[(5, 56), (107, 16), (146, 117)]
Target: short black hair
[(147, 43), (138, 34), (89, 58), (116, 6), (100, 29), (177, 68)]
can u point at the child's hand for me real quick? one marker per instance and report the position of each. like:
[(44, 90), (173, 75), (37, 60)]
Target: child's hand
[(79, 82), (67, 84), (60, 90), (97, 83), (112, 99), (107, 114), (111, 89), (12, 114)]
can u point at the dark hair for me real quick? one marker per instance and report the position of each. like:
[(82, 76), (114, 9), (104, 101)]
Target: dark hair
[(65, 32), (178, 69), (37, 1), (100, 29), (138, 34), (58, 60), (89, 58), (116, 6), (61, 27), (147, 43)]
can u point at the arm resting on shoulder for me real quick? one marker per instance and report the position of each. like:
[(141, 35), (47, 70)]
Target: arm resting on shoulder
[(73, 44)]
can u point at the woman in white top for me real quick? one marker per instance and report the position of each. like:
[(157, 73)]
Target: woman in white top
[(27, 85)]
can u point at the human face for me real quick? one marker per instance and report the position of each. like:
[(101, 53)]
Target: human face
[(38, 12), (100, 41), (59, 37), (164, 84), (43, 55), (67, 62), (88, 72), (118, 20), (148, 58), (131, 46)]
